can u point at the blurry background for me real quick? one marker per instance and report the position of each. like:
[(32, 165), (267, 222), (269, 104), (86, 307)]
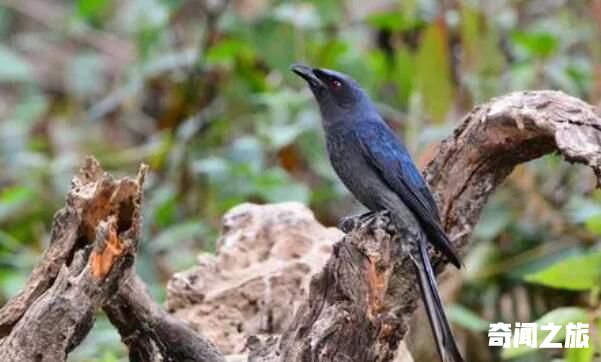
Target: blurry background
[(201, 91)]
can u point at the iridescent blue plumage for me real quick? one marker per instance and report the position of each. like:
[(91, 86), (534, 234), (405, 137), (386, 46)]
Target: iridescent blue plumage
[(390, 159), (377, 169)]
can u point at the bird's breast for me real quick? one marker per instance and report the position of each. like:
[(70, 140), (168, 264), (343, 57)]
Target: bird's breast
[(354, 171)]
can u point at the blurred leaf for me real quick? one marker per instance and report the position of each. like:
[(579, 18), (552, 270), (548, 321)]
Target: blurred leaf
[(536, 44), (248, 150), (213, 167), (559, 316), (581, 209), (594, 225), (275, 186), (176, 235), (5, 21), (269, 36), (494, 219), (484, 60), (226, 51), (580, 354), (480, 259), (11, 282), (331, 52), (404, 74), (576, 273), (301, 15), (522, 75), (92, 10), (14, 67), (392, 21), (471, 33), (145, 14), (466, 318), (85, 75), (330, 11), (13, 199), (433, 72), (162, 206), (282, 135), (102, 344), (30, 108)]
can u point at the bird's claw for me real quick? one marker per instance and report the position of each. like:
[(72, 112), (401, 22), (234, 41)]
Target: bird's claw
[(351, 223), (348, 224)]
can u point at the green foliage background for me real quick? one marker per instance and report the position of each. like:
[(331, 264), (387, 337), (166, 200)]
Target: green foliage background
[(201, 91)]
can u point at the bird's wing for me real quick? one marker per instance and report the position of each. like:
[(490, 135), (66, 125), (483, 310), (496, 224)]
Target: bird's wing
[(393, 163)]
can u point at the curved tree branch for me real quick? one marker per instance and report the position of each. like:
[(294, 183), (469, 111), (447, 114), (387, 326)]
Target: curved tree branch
[(360, 303), (151, 334)]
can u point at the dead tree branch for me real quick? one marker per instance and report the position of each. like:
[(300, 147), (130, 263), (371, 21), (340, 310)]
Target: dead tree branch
[(150, 333), (87, 266)]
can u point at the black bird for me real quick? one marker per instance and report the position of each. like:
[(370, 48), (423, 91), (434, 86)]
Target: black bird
[(376, 167)]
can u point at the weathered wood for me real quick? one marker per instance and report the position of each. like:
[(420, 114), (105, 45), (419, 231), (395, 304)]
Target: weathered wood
[(88, 265), (93, 241), (151, 334), (359, 304), (64, 235), (61, 318)]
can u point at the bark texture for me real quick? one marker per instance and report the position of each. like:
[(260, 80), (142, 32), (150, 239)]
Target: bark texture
[(151, 334), (88, 266), (265, 257)]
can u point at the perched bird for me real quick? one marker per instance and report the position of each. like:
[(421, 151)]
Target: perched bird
[(376, 167)]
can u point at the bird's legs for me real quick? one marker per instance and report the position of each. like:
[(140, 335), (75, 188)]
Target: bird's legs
[(350, 223)]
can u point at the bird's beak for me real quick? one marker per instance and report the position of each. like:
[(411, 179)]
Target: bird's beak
[(308, 74)]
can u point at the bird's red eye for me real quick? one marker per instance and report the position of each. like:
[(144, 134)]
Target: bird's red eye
[(336, 84)]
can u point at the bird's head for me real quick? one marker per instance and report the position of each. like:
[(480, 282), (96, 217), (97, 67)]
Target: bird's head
[(337, 94)]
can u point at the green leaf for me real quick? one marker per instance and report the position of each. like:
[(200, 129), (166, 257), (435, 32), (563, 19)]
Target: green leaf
[(274, 185), (92, 9), (248, 150), (559, 316), (403, 74), (162, 206), (226, 51), (13, 199), (575, 273), (269, 36), (14, 67), (434, 72), (393, 21), (594, 225), (536, 44), (11, 283), (178, 234), (466, 318), (580, 354)]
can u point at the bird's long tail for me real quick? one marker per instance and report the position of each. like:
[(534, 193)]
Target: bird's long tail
[(445, 342)]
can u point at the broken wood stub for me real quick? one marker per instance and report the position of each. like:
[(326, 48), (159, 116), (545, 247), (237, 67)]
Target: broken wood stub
[(88, 266), (83, 265)]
